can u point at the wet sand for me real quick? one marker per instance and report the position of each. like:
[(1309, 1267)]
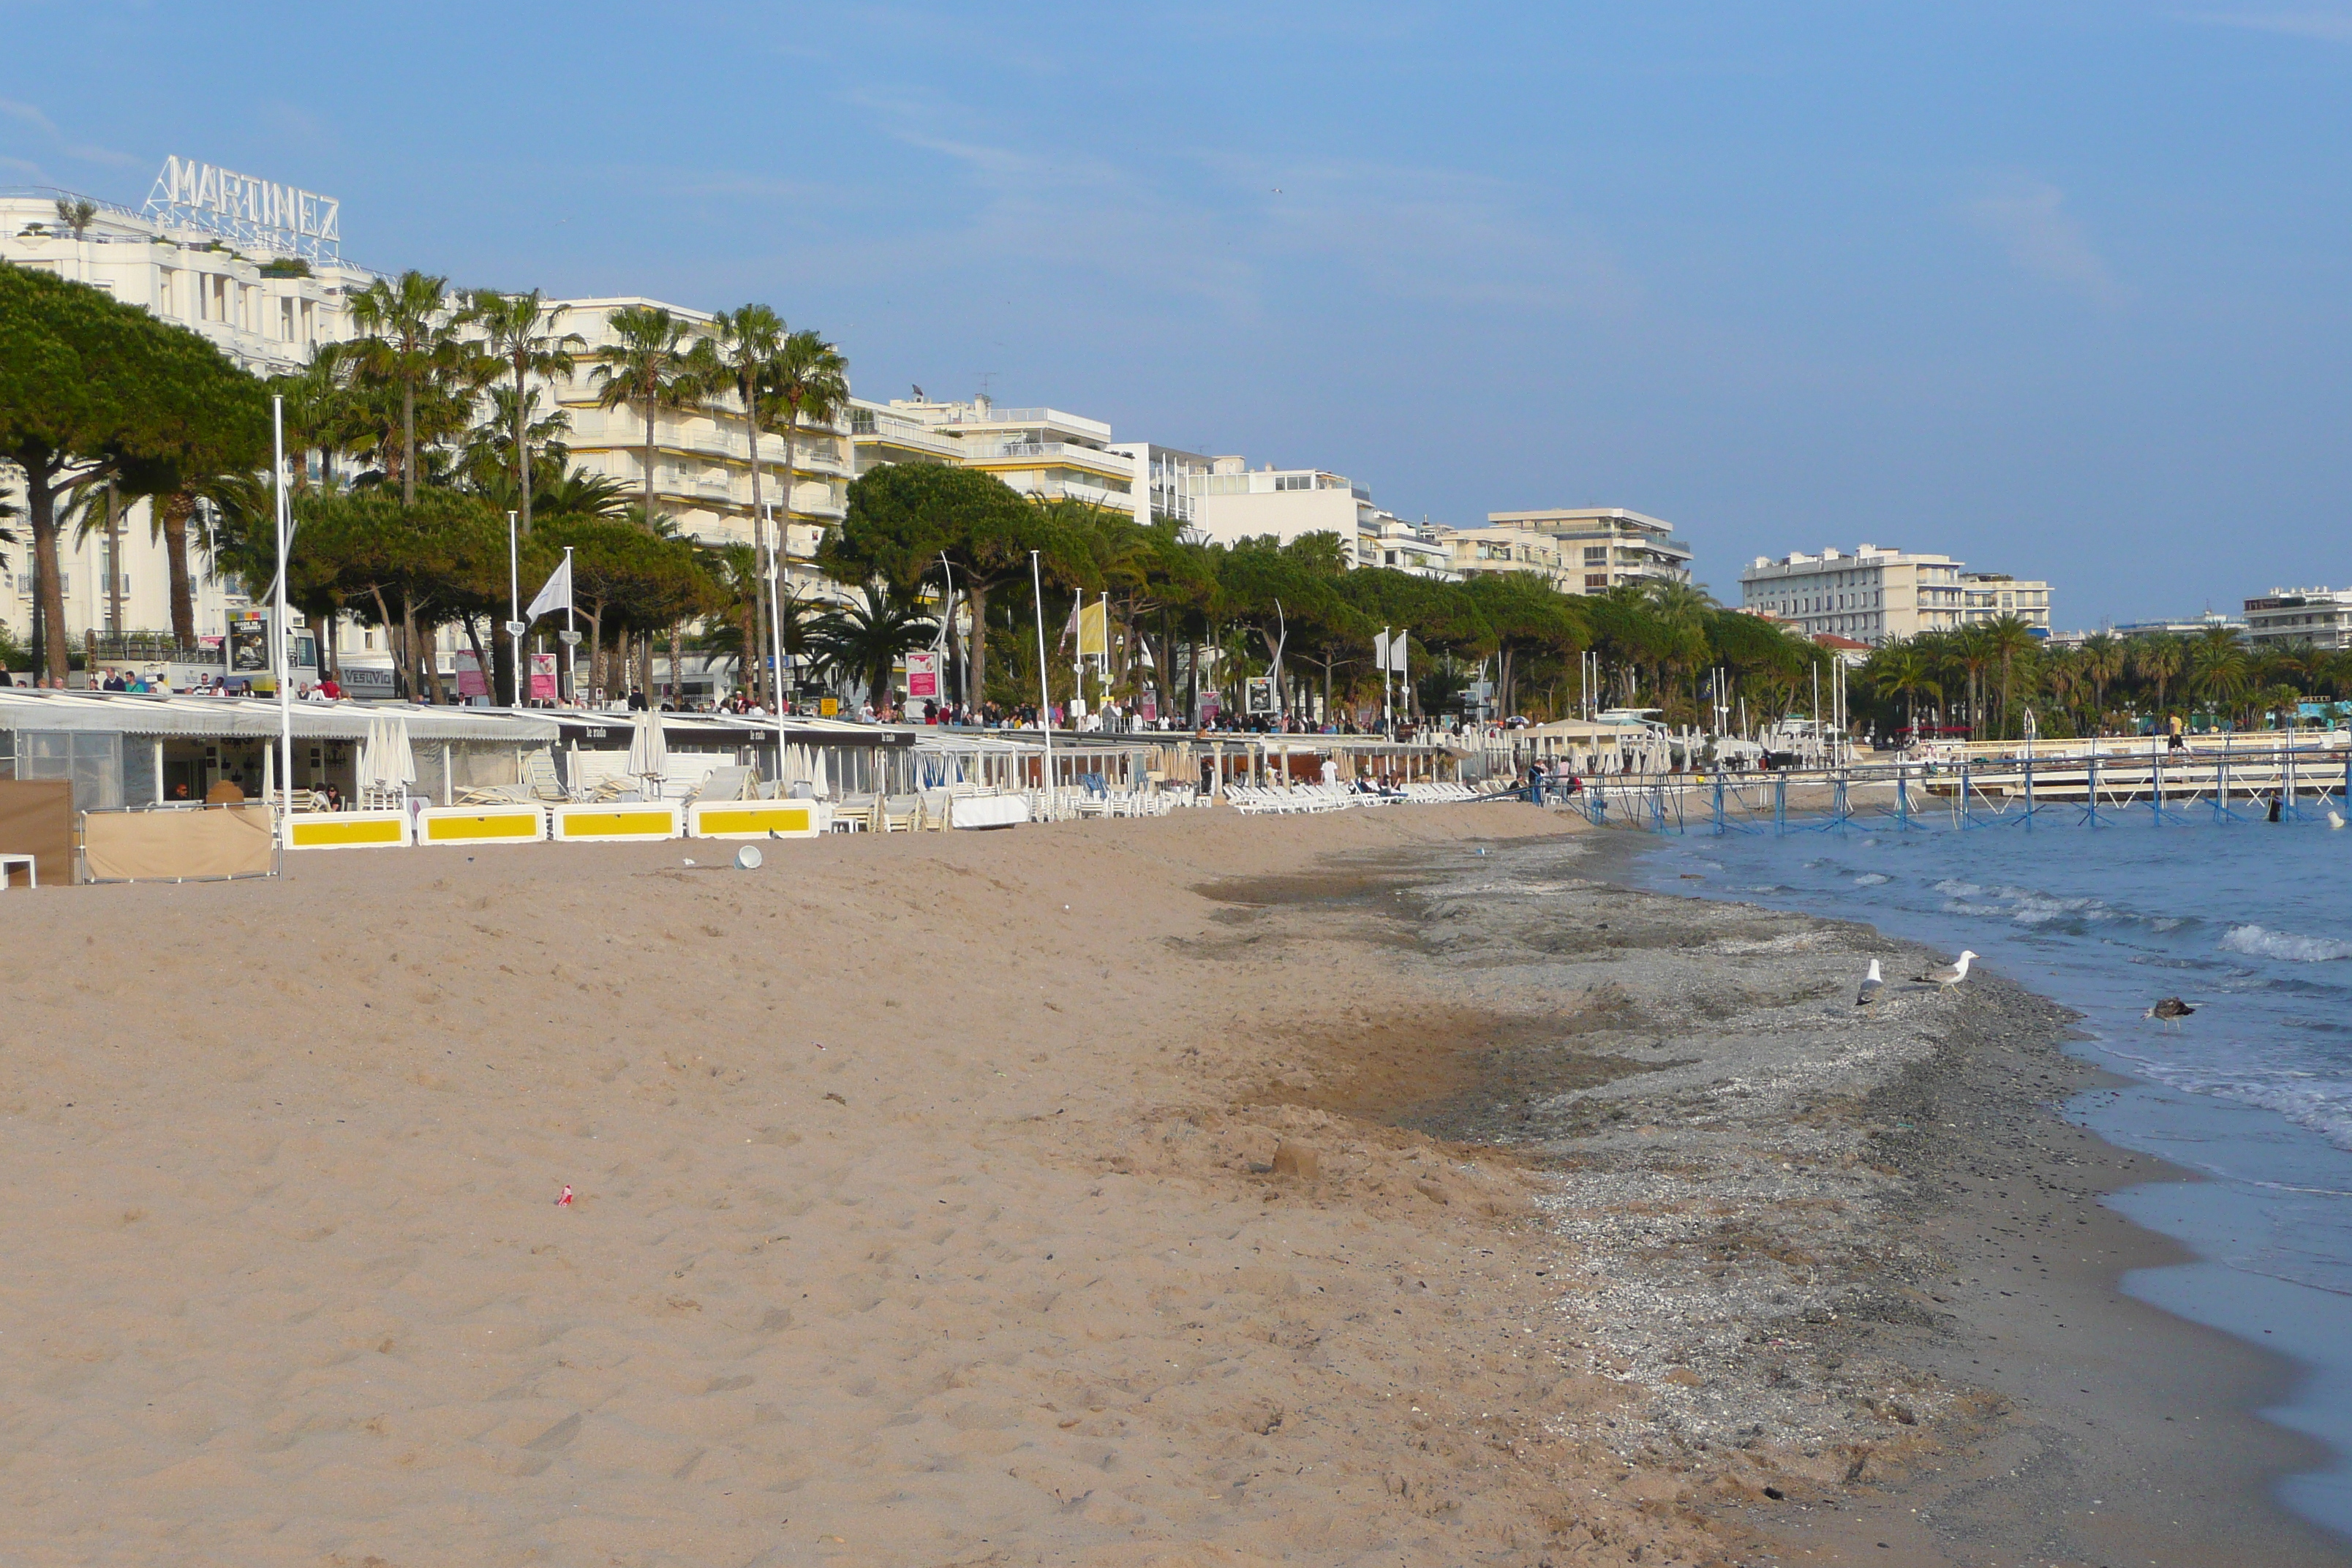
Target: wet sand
[(1368, 1189)]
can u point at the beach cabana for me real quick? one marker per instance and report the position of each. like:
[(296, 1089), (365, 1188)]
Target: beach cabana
[(132, 748)]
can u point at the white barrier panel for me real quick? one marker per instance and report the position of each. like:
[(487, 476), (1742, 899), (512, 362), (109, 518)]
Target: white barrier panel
[(347, 830), (516, 823), (617, 823), (759, 818), (988, 810)]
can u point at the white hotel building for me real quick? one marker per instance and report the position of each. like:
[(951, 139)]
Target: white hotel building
[(264, 298), (1873, 596)]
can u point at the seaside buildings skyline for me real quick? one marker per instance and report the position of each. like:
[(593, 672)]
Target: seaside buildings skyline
[(269, 293)]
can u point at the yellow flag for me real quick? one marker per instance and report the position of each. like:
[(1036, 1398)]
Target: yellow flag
[(1094, 630)]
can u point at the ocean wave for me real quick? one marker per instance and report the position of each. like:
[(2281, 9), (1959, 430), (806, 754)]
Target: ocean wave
[(1871, 878), (2255, 941), (1954, 888)]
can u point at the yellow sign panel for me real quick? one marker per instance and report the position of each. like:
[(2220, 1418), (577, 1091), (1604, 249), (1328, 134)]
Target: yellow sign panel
[(333, 832), (1094, 630), (486, 827), (826, 706), (755, 819), (653, 824)]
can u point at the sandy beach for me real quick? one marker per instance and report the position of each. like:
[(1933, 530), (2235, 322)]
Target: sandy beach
[(1387, 1187)]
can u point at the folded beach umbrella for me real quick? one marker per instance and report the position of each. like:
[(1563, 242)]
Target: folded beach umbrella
[(648, 746), (371, 755), (399, 757)]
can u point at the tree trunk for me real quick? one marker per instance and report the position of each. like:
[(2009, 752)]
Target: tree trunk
[(676, 664), (649, 462), (41, 510), (409, 442), (645, 668), (522, 456), (485, 668), (976, 590), (175, 511)]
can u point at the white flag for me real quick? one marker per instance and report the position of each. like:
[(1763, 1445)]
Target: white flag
[(1396, 655), (1380, 651), (556, 596)]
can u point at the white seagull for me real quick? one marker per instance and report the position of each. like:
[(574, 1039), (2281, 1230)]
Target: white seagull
[(2335, 820), (1951, 974), (1872, 985)]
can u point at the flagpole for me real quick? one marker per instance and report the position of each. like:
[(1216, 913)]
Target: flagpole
[(770, 536), (278, 620), (1045, 700), (571, 635), (514, 627)]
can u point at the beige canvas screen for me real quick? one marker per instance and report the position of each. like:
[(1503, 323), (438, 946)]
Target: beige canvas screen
[(176, 844), (36, 819)]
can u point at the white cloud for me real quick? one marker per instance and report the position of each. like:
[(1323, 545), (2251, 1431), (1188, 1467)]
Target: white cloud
[(2328, 26), (28, 113), (80, 152), (1219, 228), (2030, 219)]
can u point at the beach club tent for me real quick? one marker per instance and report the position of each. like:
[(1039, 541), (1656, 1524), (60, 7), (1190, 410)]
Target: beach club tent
[(132, 748)]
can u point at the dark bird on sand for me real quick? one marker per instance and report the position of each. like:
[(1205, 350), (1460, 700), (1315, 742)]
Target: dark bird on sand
[(2171, 1010)]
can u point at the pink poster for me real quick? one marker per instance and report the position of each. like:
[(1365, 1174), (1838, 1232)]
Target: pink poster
[(543, 678), (469, 678)]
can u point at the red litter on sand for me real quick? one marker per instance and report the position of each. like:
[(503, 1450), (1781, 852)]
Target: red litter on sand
[(565, 1201)]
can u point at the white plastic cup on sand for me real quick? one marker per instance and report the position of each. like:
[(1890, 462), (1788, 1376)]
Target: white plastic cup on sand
[(748, 858)]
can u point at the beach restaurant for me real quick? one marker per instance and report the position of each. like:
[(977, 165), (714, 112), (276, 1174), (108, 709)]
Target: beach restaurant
[(126, 749)]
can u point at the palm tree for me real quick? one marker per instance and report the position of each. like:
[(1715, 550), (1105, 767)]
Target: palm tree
[(865, 641), (2218, 668), (750, 339), (519, 331), (2008, 639), (807, 381), (660, 362), (2102, 661), (406, 339), (1900, 672), (2158, 657)]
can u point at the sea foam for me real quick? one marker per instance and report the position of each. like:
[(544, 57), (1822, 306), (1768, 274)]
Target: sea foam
[(2255, 941)]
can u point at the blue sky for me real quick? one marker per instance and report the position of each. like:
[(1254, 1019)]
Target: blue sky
[(2062, 288)]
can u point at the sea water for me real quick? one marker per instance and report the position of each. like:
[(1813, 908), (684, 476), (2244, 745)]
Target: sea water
[(2249, 921)]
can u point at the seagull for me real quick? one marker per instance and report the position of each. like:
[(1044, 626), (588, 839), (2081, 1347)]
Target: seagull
[(2171, 1010), (2335, 820), (1951, 975), (1872, 983)]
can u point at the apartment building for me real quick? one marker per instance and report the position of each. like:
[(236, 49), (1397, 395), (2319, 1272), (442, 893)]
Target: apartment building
[(1471, 552), (265, 295), (1604, 547), (2319, 617), (702, 455), (1873, 596), (1423, 549), (1990, 595)]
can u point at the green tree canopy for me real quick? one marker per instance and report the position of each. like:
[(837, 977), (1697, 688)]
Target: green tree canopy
[(92, 389)]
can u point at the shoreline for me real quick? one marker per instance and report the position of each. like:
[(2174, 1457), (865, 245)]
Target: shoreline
[(2123, 1433)]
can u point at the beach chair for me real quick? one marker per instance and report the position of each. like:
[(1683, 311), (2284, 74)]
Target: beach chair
[(732, 782), (897, 813)]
